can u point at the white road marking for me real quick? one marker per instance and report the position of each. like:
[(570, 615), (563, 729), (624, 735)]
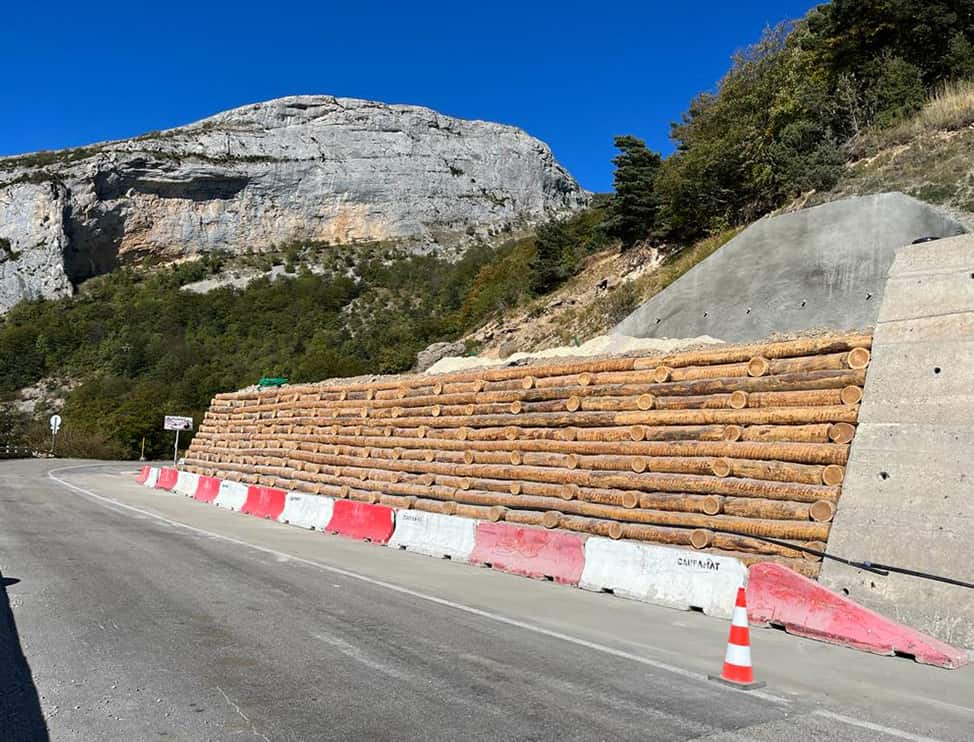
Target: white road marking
[(891, 731), (534, 628)]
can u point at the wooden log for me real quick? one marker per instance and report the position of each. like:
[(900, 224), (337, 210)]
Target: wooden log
[(770, 350), (783, 383), (694, 402), (810, 398), (821, 511), (833, 474), (398, 501), (591, 526), (491, 513), (841, 432), (761, 416), (777, 471), (815, 433)]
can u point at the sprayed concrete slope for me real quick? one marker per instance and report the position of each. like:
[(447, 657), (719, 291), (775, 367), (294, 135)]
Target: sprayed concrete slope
[(823, 267), (908, 496)]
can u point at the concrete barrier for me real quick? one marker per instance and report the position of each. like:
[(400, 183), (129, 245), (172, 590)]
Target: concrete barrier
[(307, 511), (908, 493), (207, 489), (232, 495), (142, 475), (186, 483), (675, 578), (167, 478), (434, 534), (820, 267), (778, 596), (530, 552), (264, 502), (152, 478), (361, 520)]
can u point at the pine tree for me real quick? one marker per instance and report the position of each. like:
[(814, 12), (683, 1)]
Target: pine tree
[(553, 245), (634, 204)]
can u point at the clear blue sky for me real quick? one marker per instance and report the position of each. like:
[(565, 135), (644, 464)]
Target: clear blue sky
[(573, 74)]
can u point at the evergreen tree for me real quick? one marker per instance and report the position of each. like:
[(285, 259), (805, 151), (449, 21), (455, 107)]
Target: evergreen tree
[(553, 250), (634, 205)]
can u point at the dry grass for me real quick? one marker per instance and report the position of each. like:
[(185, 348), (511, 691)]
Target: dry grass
[(950, 108)]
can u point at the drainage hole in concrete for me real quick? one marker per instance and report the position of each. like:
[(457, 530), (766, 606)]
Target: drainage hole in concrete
[(884, 475), (936, 369), (608, 590), (696, 609)]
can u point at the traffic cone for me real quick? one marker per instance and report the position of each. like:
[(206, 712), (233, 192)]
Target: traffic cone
[(737, 671)]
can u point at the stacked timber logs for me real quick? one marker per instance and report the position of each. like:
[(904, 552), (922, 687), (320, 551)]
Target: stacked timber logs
[(716, 449)]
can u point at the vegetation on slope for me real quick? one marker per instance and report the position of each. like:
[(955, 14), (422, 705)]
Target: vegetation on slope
[(142, 348), (796, 106)]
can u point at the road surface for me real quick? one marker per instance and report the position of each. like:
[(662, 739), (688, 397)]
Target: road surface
[(135, 614)]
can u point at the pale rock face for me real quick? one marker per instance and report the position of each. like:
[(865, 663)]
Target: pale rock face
[(304, 168), (32, 242)]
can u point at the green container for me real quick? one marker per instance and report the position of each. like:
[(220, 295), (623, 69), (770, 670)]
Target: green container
[(271, 381)]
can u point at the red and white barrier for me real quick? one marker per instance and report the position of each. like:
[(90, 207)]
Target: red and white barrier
[(232, 495), (307, 511), (186, 483), (530, 552), (167, 478), (435, 535), (143, 475), (361, 520), (264, 502), (675, 578), (781, 597), (207, 488)]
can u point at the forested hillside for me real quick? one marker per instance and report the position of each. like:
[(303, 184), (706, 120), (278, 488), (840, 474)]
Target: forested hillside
[(858, 96)]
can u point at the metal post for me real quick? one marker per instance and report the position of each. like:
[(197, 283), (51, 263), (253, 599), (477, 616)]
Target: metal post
[(175, 450), (53, 437)]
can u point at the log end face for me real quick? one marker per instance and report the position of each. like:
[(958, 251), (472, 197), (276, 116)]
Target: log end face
[(841, 433), (758, 366), (551, 519), (721, 467), (821, 511), (737, 400), (858, 358), (701, 538)]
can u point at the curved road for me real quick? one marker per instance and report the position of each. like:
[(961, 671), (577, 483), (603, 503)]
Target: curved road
[(134, 614)]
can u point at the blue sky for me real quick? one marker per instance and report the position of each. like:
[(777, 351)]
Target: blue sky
[(572, 74)]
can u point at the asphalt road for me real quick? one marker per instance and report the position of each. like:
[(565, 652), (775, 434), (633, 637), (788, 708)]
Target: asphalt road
[(133, 614)]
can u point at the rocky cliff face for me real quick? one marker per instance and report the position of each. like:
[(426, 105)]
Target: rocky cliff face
[(305, 168)]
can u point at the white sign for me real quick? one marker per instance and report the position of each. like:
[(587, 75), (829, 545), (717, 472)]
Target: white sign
[(55, 424), (174, 422)]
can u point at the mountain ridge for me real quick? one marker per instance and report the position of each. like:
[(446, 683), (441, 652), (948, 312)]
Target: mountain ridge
[(315, 169)]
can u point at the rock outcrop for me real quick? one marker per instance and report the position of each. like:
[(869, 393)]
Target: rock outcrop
[(304, 168)]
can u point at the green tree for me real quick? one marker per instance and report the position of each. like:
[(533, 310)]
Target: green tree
[(633, 209), (552, 257), (960, 57)]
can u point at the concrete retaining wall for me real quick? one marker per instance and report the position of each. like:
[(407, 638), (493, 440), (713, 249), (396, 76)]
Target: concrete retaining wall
[(819, 267), (908, 497)]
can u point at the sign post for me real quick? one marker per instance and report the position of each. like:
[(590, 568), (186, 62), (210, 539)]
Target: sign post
[(174, 422), (55, 427)]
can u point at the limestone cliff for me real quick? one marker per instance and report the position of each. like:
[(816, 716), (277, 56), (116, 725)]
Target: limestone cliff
[(304, 168)]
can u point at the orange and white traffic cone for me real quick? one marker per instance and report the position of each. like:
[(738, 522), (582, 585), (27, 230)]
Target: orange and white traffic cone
[(737, 670)]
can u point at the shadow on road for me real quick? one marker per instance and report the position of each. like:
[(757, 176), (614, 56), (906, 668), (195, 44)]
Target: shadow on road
[(20, 709)]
